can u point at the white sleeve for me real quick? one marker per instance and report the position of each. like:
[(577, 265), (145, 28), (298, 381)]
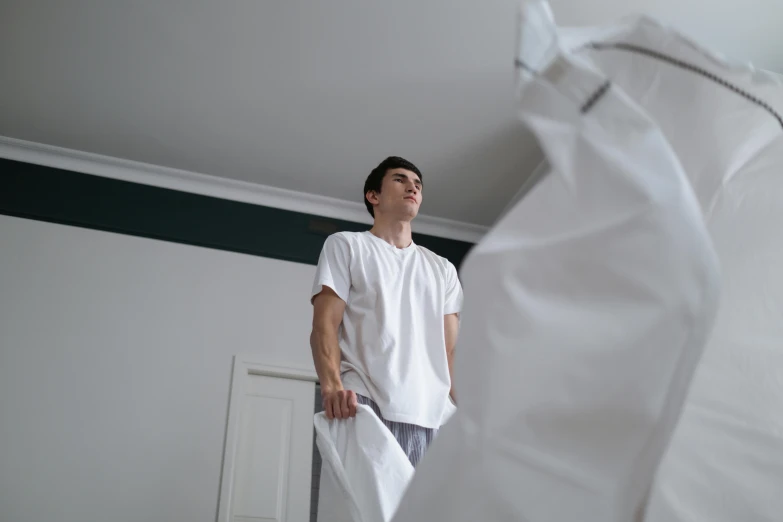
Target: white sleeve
[(453, 302), (334, 268)]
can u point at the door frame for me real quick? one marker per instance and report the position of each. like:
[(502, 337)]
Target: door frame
[(246, 365)]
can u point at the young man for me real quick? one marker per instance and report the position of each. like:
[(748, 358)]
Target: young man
[(385, 316)]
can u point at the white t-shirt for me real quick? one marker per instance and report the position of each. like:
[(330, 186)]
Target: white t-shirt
[(392, 337)]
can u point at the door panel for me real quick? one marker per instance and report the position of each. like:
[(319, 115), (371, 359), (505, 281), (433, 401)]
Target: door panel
[(272, 473)]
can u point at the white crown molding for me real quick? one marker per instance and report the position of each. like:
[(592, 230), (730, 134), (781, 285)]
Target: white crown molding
[(224, 188)]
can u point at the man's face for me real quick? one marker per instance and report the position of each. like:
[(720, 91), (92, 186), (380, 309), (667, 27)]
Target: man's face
[(400, 194)]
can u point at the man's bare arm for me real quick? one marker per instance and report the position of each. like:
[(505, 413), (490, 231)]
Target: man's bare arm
[(451, 325), (328, 311)]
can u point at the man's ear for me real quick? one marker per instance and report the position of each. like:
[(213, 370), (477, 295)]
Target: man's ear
[(372, 197)]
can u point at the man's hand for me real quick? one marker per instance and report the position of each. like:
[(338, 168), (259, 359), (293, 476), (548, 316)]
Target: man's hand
[(339, 404)]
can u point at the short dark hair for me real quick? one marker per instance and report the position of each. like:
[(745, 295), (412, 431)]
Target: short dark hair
[(375, 179)]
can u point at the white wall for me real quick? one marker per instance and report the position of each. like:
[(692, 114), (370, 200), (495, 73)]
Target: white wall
[(115, 365)]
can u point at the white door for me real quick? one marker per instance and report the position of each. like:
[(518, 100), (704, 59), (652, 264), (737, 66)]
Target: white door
[(269, 457)]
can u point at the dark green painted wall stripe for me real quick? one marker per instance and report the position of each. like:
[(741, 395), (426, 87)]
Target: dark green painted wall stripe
[(72, 198)]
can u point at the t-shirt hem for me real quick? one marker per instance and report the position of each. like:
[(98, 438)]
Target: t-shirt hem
[(352, 380), (407, 419)]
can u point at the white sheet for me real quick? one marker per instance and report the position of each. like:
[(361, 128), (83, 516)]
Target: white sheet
[(360, 482), (725, 462)]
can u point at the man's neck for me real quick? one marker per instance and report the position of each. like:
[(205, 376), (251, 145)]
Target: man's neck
[(396, 232)]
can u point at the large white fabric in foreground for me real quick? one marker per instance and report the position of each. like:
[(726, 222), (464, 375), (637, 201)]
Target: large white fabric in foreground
[(725, 461), (364, 472), (587, 309)]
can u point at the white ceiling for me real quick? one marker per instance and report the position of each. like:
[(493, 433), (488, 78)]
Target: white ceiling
[(310, 95)]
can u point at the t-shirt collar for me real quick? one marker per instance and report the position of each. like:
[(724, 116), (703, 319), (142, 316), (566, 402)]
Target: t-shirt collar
[(409, 248)]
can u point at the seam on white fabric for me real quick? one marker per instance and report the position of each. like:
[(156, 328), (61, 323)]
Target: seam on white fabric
[(682, 64)]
